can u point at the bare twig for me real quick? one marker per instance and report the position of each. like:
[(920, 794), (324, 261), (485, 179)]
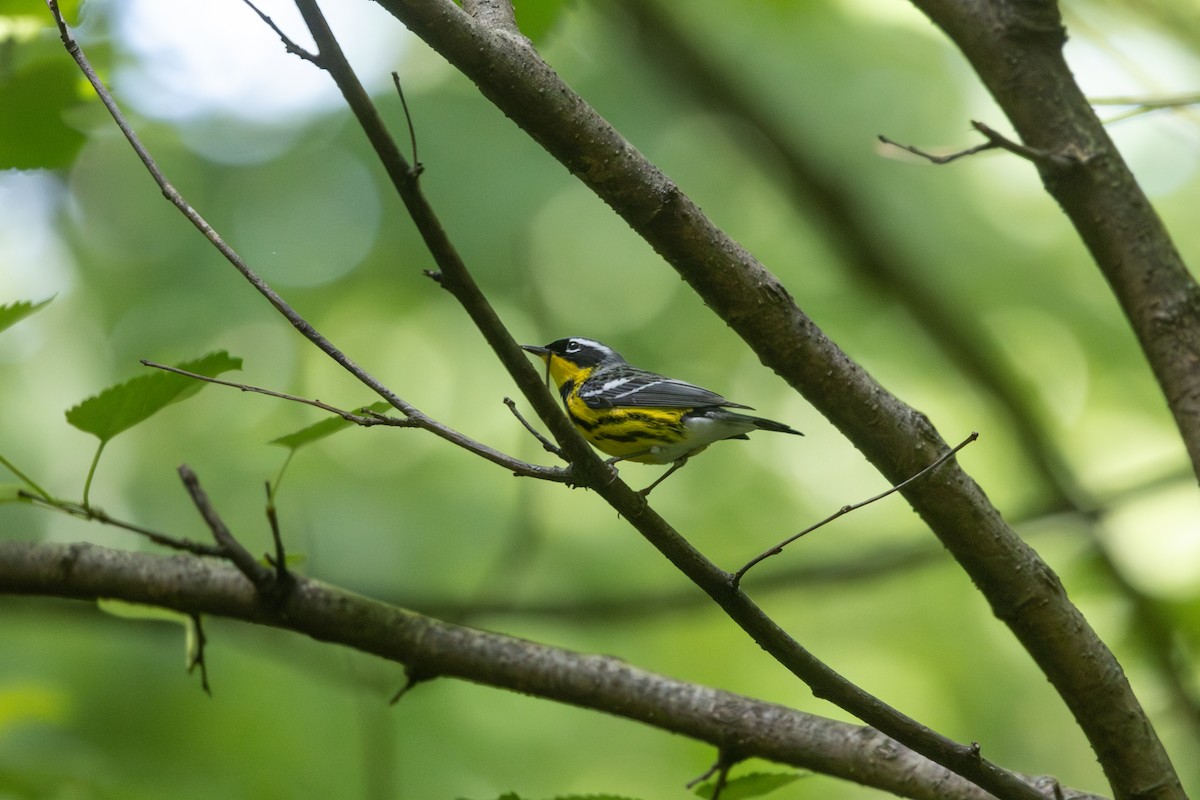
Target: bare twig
[(196, 657), (366, 420), (996, 140), (288, 43), (777, 549), (93, 514), (231, 548), (416, 167), (283, 577), (547, 445), (939, 159)]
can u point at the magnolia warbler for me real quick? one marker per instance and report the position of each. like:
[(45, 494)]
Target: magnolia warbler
[(636, 415)]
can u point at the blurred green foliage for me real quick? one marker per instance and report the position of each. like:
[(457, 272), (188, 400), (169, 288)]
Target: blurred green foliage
[(95, 707)]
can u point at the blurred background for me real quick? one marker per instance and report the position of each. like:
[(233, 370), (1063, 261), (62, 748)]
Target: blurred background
[(961, 288)]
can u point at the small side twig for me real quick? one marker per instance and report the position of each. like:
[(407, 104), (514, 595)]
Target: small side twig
[(196, 657), (413, 675), (547, 445), (720, 768), (365, 420), (93, 514), (933, 158), (777, 549), (283, 578), (232, 549), (288, 43), (413, 419), (416, 168), (996, 141)]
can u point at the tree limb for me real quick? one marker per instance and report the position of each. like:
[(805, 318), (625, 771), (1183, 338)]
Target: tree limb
[(1021, 589), (718, 584), (754, 728)]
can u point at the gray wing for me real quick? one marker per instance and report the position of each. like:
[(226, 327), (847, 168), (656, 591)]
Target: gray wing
[(635, 387)]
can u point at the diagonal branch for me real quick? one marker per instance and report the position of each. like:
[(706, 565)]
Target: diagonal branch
[(718, 584), (1021, 588), (290, 314)]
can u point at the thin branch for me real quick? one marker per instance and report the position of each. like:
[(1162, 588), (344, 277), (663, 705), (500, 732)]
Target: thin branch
[(547, 445), (197, 657), (93, 514), (288, 43), (1168, 101), (298, 322), (25, 479), (777, 549), (1064, 160), (358, 419), (996, 141), (415, 419), (939, 159), (417, 167)]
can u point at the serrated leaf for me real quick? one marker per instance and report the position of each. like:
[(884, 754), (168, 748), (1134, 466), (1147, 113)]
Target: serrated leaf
[(120, 407), (13, 313), (326, 427), (756, 784)]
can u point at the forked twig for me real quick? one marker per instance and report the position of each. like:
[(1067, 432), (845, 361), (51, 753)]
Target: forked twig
[(777, 549), (997, 141)]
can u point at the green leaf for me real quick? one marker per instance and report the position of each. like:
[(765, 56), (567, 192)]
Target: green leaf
[(536, 18), (39, 97), (326, 427), (13, 313), (756, 784), (120, 407)]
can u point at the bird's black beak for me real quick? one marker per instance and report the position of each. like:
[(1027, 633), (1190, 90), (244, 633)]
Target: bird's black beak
[(541, 352)]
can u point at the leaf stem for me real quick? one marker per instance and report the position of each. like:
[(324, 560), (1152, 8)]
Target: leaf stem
[(87, 484), (26, 479)]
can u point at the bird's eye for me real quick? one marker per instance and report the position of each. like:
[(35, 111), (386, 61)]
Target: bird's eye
[(573, 346)]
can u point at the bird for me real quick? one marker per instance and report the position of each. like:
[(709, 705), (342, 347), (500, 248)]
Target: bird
[(636, 415)]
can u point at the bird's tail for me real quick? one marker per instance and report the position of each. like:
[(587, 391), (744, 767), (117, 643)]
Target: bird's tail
[(760, 423)]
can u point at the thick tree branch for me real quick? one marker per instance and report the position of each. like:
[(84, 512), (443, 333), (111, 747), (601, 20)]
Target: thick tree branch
[(868, 254), (750, 727), (1016, 48), (1021, 589), (718, 584)]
